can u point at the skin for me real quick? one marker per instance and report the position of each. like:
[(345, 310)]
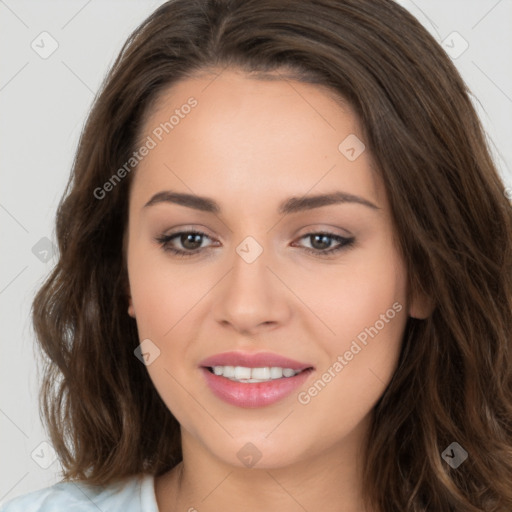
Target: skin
[(250, 144)]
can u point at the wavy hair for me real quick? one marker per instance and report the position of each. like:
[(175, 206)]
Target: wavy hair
[(453, 222)]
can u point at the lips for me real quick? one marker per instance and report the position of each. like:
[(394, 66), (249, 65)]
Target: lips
[(256, 360), (252, 395)]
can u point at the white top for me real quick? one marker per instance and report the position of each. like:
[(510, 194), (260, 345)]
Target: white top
[(135, 494)]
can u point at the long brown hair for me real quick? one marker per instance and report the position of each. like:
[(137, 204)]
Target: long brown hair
[(450, 211)]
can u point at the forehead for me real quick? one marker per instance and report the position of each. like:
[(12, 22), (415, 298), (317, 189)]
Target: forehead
[(251, 138)]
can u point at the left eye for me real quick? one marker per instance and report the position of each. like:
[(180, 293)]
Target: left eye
[(191, 242)]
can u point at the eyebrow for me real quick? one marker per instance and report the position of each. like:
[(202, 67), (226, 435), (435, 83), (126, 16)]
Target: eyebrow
[(290, 205)]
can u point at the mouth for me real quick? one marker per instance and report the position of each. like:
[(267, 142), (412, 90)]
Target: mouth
[(249, 380), (248, 375), (259, 361), (254, 387)]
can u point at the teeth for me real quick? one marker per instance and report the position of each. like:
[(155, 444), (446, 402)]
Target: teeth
[(245, 374), (276, 373), (261, 373), (242, 373)]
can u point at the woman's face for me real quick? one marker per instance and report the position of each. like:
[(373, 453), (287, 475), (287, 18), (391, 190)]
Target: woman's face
[(259, 278)]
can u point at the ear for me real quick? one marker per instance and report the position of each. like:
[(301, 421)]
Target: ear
[(131, 309), (421, 306), (127, 291)]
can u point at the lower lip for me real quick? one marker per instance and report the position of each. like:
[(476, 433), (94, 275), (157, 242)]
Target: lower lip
[(253, 394)]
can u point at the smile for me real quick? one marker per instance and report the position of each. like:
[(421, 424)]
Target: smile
[(251, 375), (252, 393)]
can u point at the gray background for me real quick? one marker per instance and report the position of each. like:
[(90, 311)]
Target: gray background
[(44, 103)]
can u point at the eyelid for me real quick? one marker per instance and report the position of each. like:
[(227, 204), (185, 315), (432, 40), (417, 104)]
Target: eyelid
[(325, 228)]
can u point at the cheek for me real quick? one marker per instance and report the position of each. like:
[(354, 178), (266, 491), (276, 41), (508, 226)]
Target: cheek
[(351, 296), (366, 312), (153, 299), (370, 291), (161, 300), (162, 293), (369, 320)]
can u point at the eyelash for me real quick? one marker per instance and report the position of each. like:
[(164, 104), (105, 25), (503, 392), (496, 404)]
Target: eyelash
[(164, 241)]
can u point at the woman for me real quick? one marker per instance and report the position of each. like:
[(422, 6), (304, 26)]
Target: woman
[(284, 278)]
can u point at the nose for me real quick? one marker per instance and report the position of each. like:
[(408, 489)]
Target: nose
[(252, 297)]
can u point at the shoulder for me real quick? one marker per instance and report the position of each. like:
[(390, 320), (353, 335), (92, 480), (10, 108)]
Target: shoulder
[(133, 494)]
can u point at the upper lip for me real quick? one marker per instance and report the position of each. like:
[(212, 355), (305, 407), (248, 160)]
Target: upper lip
[(253, 360)]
